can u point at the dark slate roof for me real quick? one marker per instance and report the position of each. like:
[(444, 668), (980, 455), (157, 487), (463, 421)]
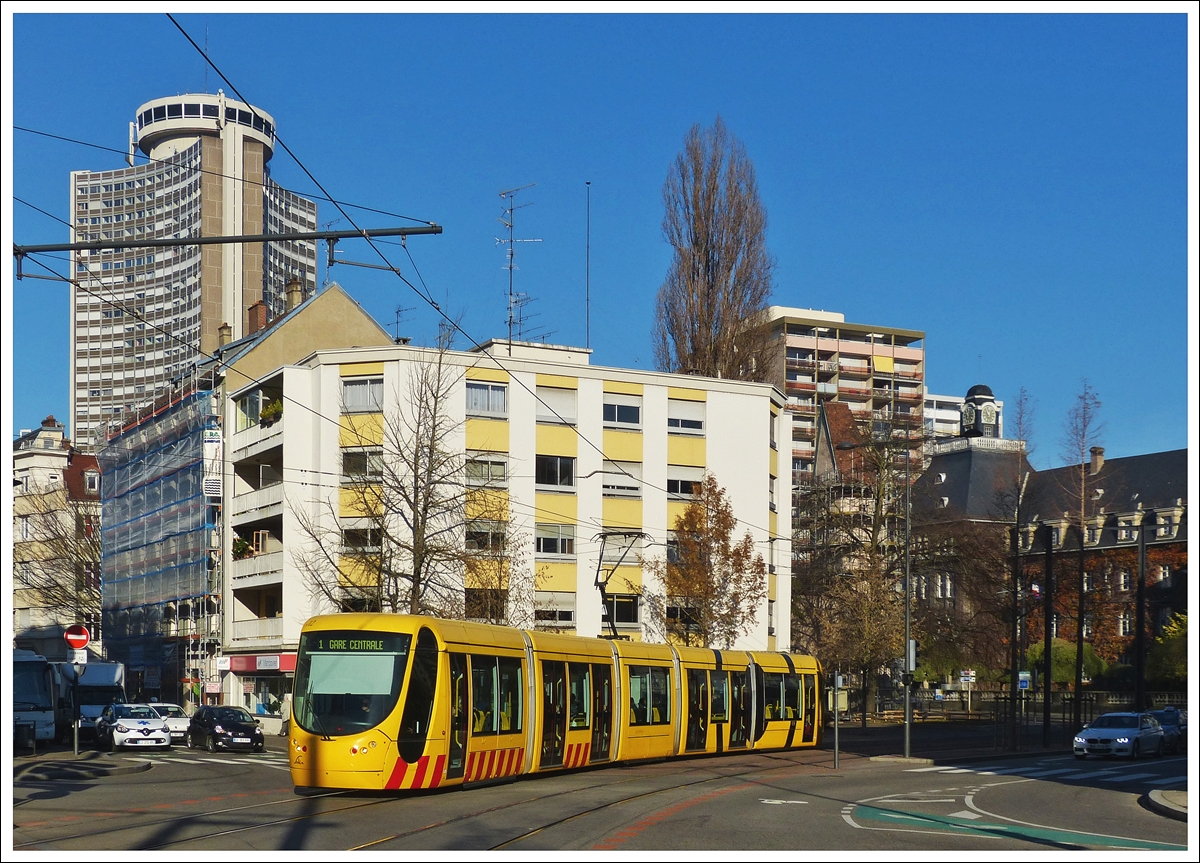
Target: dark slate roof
[(976, 483), (1152, 481)]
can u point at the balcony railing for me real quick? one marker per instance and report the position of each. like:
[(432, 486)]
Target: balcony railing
[(258, 629), (802, 365), (854, 370), (262, 498), (255, 434), (258, 564), (802, 386)]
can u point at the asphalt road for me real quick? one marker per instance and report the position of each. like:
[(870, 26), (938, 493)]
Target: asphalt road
[(792, 801)]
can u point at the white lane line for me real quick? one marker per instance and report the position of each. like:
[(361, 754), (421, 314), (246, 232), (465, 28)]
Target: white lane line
[(186, 760), (1128, 777), (1060, 771), (1170, 780), (924, 769), (145, 760), (1008, 770), (958, 770), (921, 800)]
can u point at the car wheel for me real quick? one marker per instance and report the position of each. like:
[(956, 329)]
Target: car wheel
[(209, 744), (1158, 751), (112, 742)]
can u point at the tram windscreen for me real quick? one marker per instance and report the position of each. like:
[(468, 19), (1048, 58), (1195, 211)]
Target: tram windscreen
[(348, 681)]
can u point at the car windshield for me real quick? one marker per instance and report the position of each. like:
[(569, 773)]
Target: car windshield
[(133, 711), (170, 711), (231, 714), (1116, 722)]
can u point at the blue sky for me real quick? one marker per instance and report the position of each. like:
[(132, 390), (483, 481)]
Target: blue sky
[(1015, 186)]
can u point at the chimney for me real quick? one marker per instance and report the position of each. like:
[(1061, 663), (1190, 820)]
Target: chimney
[(295, 294), (1097, 459), (257, 318), (224, 334)]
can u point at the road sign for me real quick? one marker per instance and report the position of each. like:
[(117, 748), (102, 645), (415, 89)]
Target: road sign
[(1023, 679), (77, 657), (77, 636)]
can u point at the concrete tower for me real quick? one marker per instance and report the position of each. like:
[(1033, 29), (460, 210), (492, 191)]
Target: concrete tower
[(207, 176)]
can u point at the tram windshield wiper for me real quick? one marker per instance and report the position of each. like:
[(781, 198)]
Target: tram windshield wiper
[(312, 713)]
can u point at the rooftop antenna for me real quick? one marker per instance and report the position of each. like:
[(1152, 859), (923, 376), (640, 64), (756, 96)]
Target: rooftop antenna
[(507, 221), (587, 273), (400, 310)]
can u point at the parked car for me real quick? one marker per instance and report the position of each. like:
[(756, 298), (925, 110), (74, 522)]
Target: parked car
[(1128, 734), (223, 727), (175, 717), (131, 725), (1174, 726)]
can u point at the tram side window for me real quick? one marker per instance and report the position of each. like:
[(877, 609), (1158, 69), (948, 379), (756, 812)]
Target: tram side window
[(773, 688), (649, 695), (483, 694), (719, 683), (511, 693), (418, 704), (791, 696), (581, 695)]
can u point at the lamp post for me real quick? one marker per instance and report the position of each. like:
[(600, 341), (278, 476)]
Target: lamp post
[(909, 659)]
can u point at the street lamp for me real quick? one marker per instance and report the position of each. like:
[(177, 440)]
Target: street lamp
[(909, 659)]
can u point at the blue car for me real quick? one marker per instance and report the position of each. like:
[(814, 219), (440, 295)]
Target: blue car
[(1174, 726)]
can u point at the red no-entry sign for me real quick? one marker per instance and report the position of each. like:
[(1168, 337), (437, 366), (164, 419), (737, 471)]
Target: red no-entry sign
[(77, 636)]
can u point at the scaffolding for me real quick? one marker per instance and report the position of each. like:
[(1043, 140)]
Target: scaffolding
[(161, 558)]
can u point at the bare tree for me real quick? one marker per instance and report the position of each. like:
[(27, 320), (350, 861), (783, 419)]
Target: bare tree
[(56, 552), (711, 585), (712, 304), (406, 531)]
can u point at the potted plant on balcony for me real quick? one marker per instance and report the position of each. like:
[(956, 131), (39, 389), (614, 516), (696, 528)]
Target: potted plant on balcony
[(242, 549), (271, 412)]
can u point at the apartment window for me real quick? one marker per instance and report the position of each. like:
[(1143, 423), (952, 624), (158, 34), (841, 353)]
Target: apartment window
[(1124, 580), (622, 609), (485, 536), (685, 417), (359, 465), (363, 395), (555, 540), (622, 411), (1125, 623), (1093, 535), (1087, 626), (1126, 531), (261, 541), (622, 479), (23, 530), (556, 405), (683, 482), (487, 399), (364, 540), (944, 586), (771, 493), (554, 472), (771, 430), (673, 555), (770, 617), (1089, 582), (554, 609), (488, 469)]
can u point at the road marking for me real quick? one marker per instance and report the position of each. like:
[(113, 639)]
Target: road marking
[(921, 800), (779, 802), (1170, 780), (958, 770), (1128, 778), (923, 769), (965, 814), (1060, 771)]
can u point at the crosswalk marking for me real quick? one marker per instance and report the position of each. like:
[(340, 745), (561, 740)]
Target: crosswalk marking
[(1170, 780), (1060, 771), (1128, 777)]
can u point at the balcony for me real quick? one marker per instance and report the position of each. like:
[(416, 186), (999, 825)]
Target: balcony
[(255, 439), (260, 630), (261, 503), (909, 396), (801, 365), (854, 370), (803, 432), (256, 565), (829, 366), (802, 410), (802, 386), (854, 391)]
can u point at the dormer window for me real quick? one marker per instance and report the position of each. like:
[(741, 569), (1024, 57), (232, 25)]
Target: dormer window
[(91, 481)]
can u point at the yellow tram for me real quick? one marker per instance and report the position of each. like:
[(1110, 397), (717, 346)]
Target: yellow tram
[(384, 701)]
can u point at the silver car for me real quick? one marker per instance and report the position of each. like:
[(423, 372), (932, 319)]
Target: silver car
[(175, 717), (1128, 734), (131, 725)]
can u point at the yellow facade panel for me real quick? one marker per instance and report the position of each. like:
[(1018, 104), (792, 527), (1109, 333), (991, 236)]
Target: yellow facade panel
[(622, 445), (556, 508), (773, 523), (487, 435), (482, 373), (628, 389), (354, 572), (487, 503), (354, 369), (556, 576), (774, 463), (675, 510), (622, 513), (772, 586), (687, 395), (686, 450), (561, 381), (361, 430), (627, 579), (358, 502), (557, 440), (884, 364)]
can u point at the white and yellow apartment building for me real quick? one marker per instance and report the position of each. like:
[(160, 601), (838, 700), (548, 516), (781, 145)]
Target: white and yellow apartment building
[(577, 449)]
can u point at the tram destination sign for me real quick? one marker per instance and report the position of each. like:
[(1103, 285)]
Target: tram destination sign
[(358, 642)]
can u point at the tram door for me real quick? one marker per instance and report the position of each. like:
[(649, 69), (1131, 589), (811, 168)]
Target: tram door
[(697, 726), (459, 715), (554, 712), (718, 703), (809, 687), (739, 708), (602, 702)]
